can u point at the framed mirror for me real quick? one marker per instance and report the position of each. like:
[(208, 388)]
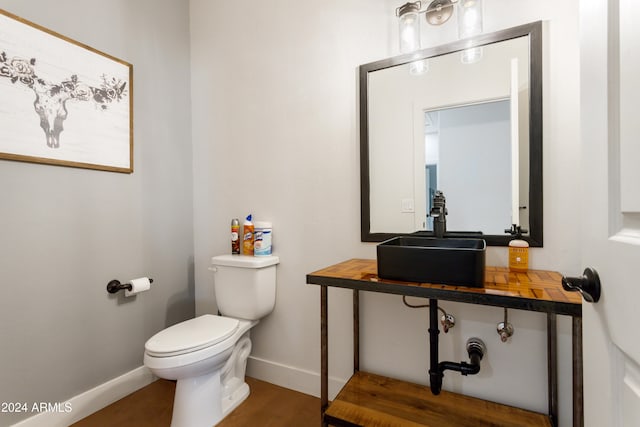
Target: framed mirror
[(463, 118)]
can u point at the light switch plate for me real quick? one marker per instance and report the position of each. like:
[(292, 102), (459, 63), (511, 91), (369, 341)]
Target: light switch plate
[(407, 206)]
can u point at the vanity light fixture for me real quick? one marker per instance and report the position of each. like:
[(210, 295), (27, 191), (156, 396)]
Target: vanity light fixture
[(437, 13), (469, 25), (470, 19), (409, 33)]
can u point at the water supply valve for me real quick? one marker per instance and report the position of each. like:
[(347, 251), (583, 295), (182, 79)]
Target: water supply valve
[(505, 329), (447, 321)]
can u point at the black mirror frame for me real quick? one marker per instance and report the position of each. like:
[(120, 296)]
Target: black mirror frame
[(534, 31)]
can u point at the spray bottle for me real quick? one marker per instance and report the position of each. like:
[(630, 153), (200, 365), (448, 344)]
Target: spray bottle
[(235, 236), (247, 236)]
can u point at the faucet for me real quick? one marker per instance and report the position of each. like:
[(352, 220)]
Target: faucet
[(439, 214)]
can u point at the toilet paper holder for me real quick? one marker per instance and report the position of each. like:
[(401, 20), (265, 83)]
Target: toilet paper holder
[(115, 286)]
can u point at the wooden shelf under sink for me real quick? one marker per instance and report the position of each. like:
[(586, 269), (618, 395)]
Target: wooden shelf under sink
[(374, 400)]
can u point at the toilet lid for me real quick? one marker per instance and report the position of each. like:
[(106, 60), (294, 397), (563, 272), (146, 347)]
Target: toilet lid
[(191, 335)]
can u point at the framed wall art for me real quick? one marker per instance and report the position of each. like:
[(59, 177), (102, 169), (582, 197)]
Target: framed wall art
[(62, 102)]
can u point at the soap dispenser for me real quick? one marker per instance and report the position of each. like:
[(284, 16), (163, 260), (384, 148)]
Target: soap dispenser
[(518, 250)]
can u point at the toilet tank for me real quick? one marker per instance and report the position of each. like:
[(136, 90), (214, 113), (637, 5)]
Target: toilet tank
[(245, 286)]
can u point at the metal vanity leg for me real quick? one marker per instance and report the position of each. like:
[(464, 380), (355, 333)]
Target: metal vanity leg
[(324, 355), (576, 349), (356, 331), (552, 366)]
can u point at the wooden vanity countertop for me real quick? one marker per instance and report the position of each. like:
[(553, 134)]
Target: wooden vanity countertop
[(535, 290)]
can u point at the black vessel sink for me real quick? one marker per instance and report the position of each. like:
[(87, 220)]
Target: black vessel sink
[(450, 234), (447, 261)]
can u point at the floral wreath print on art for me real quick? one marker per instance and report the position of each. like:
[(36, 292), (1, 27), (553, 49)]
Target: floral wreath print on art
[(51, 98)]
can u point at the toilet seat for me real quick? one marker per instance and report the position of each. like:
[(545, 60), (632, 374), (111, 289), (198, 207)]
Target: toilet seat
[(191, 335)]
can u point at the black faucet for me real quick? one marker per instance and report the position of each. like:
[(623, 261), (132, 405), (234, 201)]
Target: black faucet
[(439, 214)]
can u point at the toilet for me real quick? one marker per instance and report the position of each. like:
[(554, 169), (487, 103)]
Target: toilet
[(208, 355)]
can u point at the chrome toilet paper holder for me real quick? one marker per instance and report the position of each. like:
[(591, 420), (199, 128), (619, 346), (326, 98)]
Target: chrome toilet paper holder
[(115, 286)]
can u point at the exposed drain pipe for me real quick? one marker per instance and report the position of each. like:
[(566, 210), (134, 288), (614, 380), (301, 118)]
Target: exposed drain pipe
[(435, 375), (475, 349)]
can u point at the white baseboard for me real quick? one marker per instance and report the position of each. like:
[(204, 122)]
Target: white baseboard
[(85, 404), (290, 377)]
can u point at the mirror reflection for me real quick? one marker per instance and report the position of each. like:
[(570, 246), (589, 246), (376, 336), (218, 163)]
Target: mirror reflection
[(471, 138), (459, 125)]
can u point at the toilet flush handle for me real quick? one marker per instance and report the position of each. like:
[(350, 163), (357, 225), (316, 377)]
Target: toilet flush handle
[(214, 269)]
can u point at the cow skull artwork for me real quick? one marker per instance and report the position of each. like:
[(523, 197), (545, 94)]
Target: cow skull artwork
[(51, 98)]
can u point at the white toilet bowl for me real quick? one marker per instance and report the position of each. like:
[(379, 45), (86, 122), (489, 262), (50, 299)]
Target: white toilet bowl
[(207, 356)]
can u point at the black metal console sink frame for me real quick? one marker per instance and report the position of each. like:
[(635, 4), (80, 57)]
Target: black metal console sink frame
[(447, 261)]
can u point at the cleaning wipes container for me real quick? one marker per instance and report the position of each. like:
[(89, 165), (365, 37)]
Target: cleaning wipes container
[(263, 233)]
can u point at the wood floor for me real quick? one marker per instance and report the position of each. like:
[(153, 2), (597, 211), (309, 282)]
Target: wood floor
[(268, 405)]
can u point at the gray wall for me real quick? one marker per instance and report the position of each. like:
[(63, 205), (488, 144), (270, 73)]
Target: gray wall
[(66, 232)]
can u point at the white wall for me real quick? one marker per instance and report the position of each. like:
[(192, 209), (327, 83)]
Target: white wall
[(476, 139), (66, 232), (275, 132)]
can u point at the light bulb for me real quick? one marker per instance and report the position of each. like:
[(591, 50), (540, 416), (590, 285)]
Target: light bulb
[(409, 27), (469, 18)]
